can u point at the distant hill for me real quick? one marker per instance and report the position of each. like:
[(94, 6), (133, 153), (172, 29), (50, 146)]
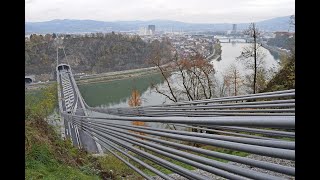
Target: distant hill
[(82, 26), (275, 24)]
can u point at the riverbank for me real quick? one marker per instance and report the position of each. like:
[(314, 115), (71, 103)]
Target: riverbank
[(38, 86), (275, 52), (98, 78), (118, 75)]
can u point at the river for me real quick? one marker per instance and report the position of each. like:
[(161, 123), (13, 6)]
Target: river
[(116, 93)]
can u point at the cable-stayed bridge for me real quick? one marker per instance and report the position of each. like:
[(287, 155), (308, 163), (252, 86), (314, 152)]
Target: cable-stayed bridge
[(261, 124)]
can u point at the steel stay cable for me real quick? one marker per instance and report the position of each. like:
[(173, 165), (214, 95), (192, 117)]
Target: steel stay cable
[(97, 123), (152, 169), (129, 164), (218, 110), (161, 174), (204, 114), (261, 150), (187, 161), (210, 106), (145, 155), (224, 132), (223, 106), (274, 103), (266, 151), (260, 164), (262, 131), (213, 163), (275, 94), (259, 142), (272, 121), (207, 168), (85, 127), (182, 171), (126, 162), (255, 130)]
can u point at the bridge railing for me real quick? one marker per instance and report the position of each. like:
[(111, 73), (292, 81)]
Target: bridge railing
[(202, 142)]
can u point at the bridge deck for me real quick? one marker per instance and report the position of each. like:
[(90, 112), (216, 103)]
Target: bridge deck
[(189, 132), (70, 104)]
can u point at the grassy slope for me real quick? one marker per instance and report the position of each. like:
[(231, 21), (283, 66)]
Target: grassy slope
[(117, 168), (47, 156)]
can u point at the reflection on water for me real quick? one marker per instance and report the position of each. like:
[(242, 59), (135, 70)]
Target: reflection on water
[(117, 93), (230, 51)]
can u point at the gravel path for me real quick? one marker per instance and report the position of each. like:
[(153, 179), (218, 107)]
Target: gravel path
[(252, 156), (271, 160)]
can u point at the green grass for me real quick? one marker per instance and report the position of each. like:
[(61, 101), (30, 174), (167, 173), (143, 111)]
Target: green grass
[(119, 169), (223, 150), (164, 170), (41, 103), (47, 156), (41, 163)]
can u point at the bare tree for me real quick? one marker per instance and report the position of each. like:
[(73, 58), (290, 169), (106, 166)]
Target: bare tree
[(263, 76), (234, 79), (254, 52), (186, 79), (164, 68), (195, 75), (221, 87), (226, 84), (165, 72)]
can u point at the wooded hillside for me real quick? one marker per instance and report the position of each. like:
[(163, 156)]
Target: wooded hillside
[(93, 54)]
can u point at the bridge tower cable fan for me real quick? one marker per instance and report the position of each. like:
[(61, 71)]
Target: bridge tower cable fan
[(65, 56), (57, 55)]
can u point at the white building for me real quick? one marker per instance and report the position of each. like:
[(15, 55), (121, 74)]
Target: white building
[(143, 31)]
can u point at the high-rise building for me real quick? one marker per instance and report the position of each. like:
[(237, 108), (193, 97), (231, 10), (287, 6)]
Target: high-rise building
[(234, 28), (151, 29)]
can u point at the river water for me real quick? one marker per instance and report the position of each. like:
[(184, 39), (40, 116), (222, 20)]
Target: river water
[(117, 93)]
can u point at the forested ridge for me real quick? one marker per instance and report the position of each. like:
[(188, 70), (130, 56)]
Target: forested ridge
[(285, 78), (93, 54), (285, 41)]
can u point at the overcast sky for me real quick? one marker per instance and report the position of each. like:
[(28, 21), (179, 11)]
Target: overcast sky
[(193, 11)]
